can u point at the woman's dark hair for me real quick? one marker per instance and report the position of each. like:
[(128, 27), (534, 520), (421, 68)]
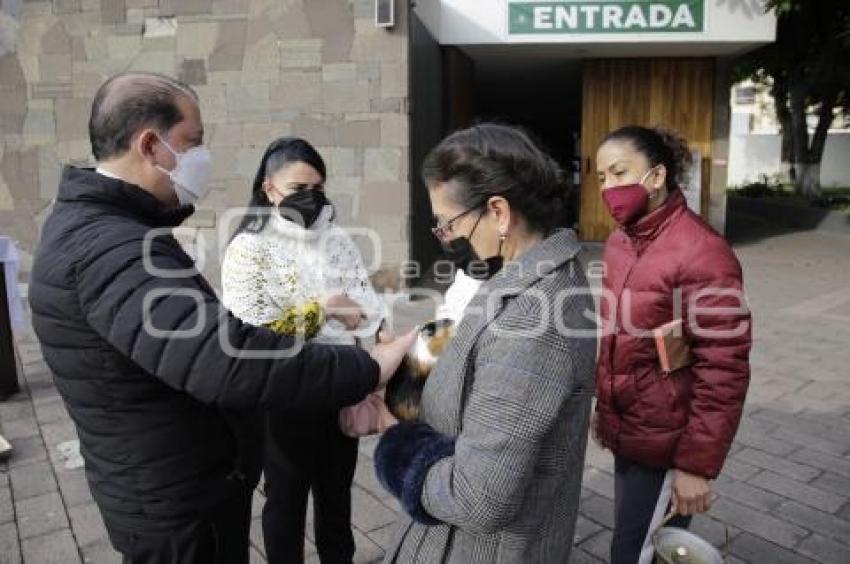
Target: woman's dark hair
[(488, 160), (660, 147), (280, 153)]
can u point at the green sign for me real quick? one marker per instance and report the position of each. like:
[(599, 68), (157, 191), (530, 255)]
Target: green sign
[(606, 16)]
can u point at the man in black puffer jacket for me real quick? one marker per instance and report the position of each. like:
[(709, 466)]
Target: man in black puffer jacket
[(148, 363)]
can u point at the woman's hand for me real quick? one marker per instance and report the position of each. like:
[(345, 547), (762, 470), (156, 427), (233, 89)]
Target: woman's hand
[(385, 418), (691, 493), (344, 309), (594, 430)]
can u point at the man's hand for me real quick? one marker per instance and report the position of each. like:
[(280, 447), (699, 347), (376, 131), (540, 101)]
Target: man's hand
[(691, 493), (389, 352), (344, 309)]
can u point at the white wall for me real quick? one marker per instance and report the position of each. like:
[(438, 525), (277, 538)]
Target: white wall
[(754, 154), (470, 22)]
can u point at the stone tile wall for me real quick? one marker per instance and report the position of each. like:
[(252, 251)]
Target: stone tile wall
[(262, 68)]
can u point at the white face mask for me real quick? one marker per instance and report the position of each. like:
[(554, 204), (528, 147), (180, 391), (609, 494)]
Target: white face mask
[(191, 174)]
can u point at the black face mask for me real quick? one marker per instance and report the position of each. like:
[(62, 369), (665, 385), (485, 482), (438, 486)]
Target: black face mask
[(462, 254), (304, 206)]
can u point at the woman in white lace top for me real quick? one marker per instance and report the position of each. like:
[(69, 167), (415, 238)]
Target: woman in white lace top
[(291, 269)]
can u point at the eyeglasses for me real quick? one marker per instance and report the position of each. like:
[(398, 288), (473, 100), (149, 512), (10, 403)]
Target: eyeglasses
[(444, 230)]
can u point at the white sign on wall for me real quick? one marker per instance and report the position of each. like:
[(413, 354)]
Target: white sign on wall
[(608, 28), (605, 16)]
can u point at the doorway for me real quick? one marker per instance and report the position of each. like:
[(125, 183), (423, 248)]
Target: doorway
[(568, 103), (676, 93), (454, 87), (540, 93)]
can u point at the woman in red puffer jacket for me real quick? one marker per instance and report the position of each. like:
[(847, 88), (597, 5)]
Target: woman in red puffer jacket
[(669, 432)]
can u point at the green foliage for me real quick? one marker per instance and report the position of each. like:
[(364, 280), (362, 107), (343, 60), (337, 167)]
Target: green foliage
[(807, 70), (765, 187), (772, 187), (781, 7)]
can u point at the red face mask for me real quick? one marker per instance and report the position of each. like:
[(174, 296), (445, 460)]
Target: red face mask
[(627, 203)]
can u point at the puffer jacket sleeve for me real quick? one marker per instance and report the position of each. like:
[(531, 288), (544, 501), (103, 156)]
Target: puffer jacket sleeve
[(718, 328), (167, 320)]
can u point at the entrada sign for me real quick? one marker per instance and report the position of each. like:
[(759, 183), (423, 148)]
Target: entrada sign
[(606, 16)]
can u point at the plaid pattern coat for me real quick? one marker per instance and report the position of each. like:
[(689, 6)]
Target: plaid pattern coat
[(513, 392)]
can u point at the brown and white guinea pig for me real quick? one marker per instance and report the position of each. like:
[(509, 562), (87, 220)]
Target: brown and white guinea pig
[(404, 390)]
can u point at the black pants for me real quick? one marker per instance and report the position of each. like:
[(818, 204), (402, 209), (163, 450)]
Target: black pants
[(637, 495), (218, 537), (302, 456)]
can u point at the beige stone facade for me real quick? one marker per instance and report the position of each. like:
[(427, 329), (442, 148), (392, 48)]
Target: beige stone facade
[(319, 69)]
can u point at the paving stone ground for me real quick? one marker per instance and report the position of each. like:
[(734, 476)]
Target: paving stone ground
[(784, 493)]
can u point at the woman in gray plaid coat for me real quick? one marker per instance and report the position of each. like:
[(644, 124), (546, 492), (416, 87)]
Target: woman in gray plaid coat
[(492, 470)]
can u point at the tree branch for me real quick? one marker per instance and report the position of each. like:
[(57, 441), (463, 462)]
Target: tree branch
[(825, 118), (799, 127)]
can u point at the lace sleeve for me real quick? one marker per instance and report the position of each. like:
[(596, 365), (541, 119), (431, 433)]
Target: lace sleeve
[(353, 281), (262, 291), (244, 281)]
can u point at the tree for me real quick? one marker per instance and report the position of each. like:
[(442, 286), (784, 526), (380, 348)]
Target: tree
[(807, 71)]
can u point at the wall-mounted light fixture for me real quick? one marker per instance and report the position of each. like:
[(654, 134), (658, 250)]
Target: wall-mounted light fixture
[(384, 13)]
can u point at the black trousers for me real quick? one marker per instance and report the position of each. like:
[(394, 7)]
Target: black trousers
[(638, 495), (304, 456), (220, 536)]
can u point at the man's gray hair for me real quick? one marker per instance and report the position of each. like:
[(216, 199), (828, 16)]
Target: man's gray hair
[(128, 102)]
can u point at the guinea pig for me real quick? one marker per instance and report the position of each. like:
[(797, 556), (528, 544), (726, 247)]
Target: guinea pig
[(404, 390)]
